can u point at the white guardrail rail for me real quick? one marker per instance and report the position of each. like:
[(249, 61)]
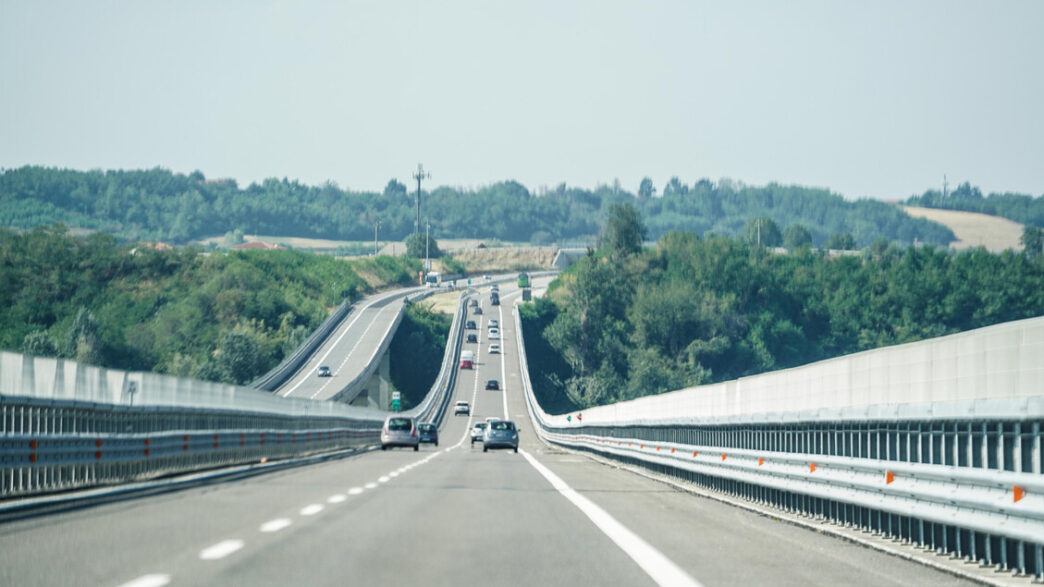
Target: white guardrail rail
[(67, 426), (936, 443)]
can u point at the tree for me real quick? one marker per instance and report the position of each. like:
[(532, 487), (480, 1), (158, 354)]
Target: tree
[(1032, 241), (82, 342), (239, 357), (395, 188), (763, 231), (39, 344), (840, 241), (646, 189), (421, 245), (624, 231), (675, 187), (796, 236)]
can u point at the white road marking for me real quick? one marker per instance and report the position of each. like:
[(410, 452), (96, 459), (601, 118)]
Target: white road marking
[(337, 498), (275, 525), (393, 474), (220, 550), (155, 580), (371, 485), (384, 479), (311, 510), (660, 569), (355, 491)]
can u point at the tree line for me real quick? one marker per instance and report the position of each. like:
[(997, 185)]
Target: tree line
[(226, 317), (159, 205), (627, 321)]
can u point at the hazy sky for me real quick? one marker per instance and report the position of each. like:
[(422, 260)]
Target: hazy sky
[(872, 99)]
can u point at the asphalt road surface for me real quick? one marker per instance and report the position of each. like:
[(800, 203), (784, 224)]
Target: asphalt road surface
[(447, 515)]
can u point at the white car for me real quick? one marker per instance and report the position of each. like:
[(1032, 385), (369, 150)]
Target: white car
[(462, 408), (494, 349), (492, 323), (494, 334)]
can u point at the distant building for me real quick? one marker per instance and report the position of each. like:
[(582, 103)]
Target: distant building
[(256, 245)]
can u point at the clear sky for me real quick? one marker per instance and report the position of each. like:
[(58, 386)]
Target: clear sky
[(875, 99)]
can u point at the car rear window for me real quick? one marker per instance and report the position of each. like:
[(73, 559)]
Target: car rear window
[(399, 424), (427, 427), (481, 425), (503, 425)]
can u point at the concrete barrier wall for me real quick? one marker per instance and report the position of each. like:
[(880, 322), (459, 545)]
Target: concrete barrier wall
[(996, 363)]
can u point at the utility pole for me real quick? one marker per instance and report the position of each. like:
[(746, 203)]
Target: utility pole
[(427, 241), (376, 227), (419, 175), (944, 186)]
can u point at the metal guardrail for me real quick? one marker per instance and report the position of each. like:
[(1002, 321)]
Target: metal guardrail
[(961, 478)]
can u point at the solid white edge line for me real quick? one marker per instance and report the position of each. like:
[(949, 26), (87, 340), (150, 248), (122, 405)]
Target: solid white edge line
[(153, 580), (220, 550), (661, 569)]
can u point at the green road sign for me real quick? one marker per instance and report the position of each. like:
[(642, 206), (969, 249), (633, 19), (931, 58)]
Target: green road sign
[(396, 405)]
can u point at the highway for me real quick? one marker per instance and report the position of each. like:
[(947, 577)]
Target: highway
[(350, 348), (446, 515)]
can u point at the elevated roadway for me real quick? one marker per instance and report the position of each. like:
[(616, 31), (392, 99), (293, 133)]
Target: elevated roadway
[(446, 515)]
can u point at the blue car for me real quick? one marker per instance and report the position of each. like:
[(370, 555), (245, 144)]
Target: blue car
[(429, 433)]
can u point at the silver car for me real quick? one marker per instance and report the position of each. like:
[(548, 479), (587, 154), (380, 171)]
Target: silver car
[(478, 432), (500, 434), (400, 431)]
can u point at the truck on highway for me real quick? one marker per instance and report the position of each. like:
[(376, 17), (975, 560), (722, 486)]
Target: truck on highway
[(433, 279), (467, 359)]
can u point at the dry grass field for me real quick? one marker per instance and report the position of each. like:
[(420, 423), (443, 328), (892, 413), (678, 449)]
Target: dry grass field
[(973, 229)]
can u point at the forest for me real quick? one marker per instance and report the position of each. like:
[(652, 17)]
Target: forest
[(159, 205), (216, 316), (628, 321)]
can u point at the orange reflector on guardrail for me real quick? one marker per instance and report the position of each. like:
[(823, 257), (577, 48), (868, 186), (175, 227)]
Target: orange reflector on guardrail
[(889, 477), (723, 456), (1017, 492), (695, 454), (811, 467), (761, 461)]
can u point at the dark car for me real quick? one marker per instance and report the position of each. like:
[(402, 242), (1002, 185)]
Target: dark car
[(477, 310), (470, 325), (492, 384), (324, 371), (472, 338), (429, 433)]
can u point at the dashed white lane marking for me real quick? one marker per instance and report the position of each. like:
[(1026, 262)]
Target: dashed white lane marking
[(220, 550), (355, 491), (154, 580), (659, 568), (370, 485), (393, 474), (275, 525), (311, 510), (337, 498)]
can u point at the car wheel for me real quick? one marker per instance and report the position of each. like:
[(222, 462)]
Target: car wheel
[(416, 447), (384, 447), (436, 443), (516, 449), (485, 449)]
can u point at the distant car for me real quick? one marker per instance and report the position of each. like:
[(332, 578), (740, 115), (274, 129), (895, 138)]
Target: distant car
[(472, 337), (478, 431), (492, 384), (399, 431), (494, 334), (428, 433), (495, 288), (470, 325), (324, 371), (500, 434), (462, 408), (493, 323), (477, 311), (473, 303), (486, 277), (494, 349)]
